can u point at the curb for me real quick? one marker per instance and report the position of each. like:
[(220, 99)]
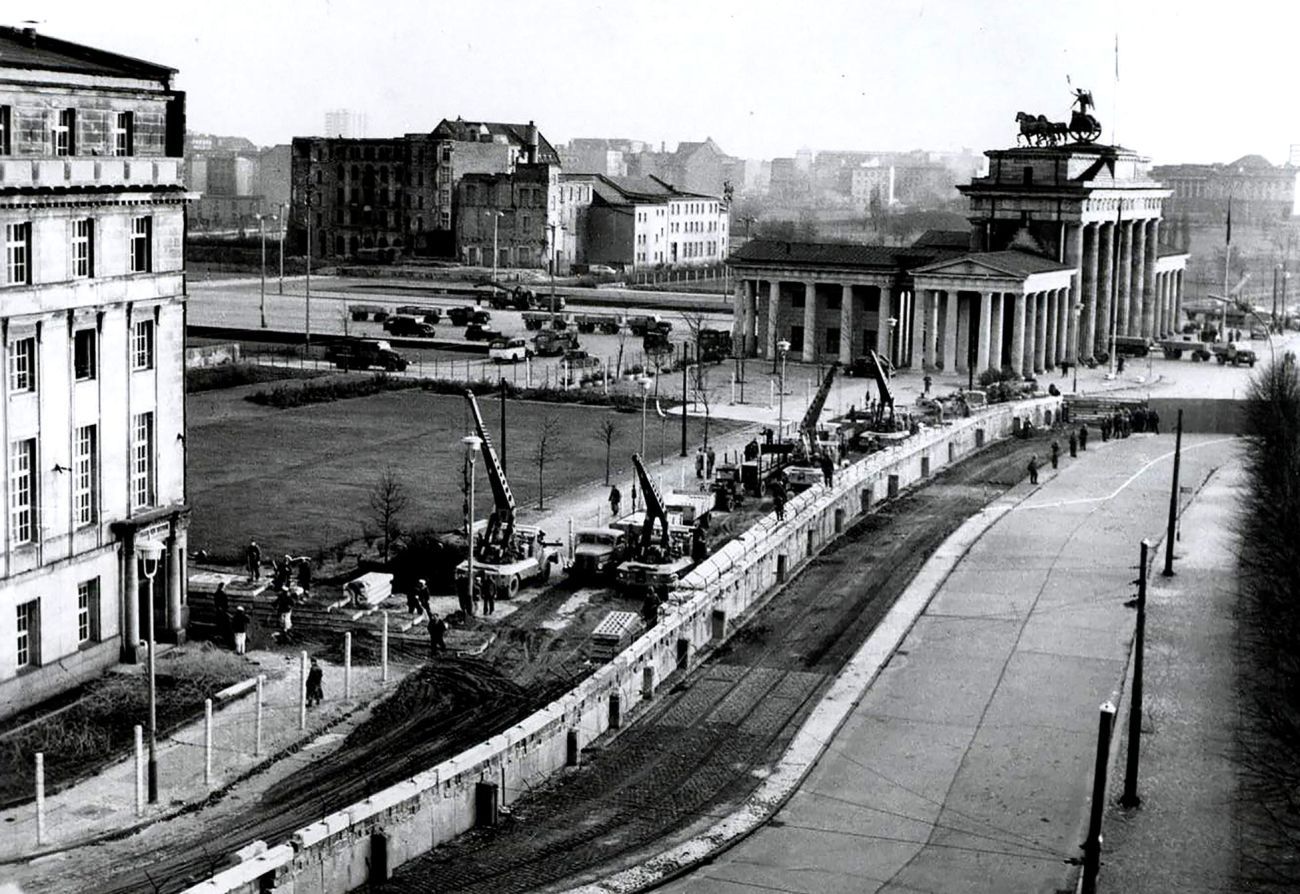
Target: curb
[(822, 724)]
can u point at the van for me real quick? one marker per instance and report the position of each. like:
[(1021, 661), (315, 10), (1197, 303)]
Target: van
[(1133, 345), (365, 353), (509, 350)]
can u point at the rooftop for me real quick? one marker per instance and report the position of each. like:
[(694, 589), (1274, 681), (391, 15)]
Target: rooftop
[(516, 134), (25, 48), (838, 254)]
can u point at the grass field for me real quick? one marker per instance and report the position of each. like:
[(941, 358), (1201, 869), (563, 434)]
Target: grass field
[(300, 480)]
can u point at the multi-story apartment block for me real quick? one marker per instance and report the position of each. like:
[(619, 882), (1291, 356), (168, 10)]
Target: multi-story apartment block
[(92, 320), (513, 212), (397, 194), (644, 222)]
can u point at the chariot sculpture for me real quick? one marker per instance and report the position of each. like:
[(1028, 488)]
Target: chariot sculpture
[(1037, 130)]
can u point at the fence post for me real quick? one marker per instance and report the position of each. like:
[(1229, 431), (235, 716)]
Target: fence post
[(40, 798), (383, 651), (207, 741), (139, 770), (257, 722), (1092, 844), (1130, 797), (347, 665), (302, 691)]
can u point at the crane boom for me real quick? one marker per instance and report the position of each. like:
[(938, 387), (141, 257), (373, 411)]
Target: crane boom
[(502, 498), (654, 503), (808, 426), (882, 382)]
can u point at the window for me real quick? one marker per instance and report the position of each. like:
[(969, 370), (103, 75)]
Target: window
[(124, 133), (22, 491), (29, 634), (142, 477), (22, 365), (18, 253), (88, 610), (83, 249), (832, 340), (142, 345), (6, 118), (85, 471), (141, 244), (65, 132)]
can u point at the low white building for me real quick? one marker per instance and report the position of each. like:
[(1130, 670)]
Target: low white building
[(640, 222), (92, 319)]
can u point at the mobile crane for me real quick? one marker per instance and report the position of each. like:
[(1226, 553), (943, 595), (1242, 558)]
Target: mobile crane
[(805, 471), (656, 565), (507, 553)]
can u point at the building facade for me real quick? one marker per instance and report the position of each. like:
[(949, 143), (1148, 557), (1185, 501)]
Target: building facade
[(636, 223), (508, 212), (92, 206), (1065, 251)]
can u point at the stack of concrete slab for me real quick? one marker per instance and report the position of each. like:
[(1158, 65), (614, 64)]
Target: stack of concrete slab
[(613, 634), (370, 589)]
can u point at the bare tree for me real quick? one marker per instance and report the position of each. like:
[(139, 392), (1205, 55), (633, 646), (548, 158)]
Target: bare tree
[(388, 502), (698, 376), (622, 340), (543, 449), (606, 432)]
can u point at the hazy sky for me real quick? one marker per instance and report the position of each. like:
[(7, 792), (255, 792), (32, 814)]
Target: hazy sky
[(1199, 81)]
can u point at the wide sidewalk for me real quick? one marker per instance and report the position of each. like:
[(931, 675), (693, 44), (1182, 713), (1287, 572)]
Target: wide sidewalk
[(966, 765)]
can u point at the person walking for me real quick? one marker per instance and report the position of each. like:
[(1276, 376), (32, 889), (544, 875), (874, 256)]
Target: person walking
[(239, 624), (437, 630), (1083, 436), (1056, 452), (778, 500), (422, 598), (315, 691), (489, 595), (1033, 469), (284, 608), (699, 463), (253, 560), (615, 499), (1074, 445), (709, 459), (463, 596), (1153, 422)]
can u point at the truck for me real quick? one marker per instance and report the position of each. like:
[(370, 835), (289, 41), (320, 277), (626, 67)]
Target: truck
[(1174, 348), (608, 324), (655, 564), (813, 442), (598, 552), (640, 324), (1235, 353), (549, 343), (713, 345), (508, 554), (364, 353)]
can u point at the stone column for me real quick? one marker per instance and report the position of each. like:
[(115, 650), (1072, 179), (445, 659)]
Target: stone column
[(811, 348), (1051, 323), (1140, 305), (921, 358), (950, 330), (176, 600), (1152, 230), (1040, 331), (130, 602), (1105, 283), (1065, 322), (1018, 323), (1162, 310), (1088, 318), (995, 331), (846, 323), (984, 332), (1067, 328), (773, 318), (740, 303), (1178, 299), (1124, 268), (885, 305), (1031, 330)]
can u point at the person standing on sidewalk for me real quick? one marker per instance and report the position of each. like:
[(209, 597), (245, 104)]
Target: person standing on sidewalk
[(1056, 452), (315, 691), (489, 595), (1074, 445), (253, 560), (1083, 436), (1033, 469), (239, 624), (615, 498), (709, 459), (699, 463)]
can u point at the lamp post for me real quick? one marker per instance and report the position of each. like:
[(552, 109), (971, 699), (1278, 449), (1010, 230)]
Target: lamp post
[(1076, 311), (150, 555), (645, 394), (472, 444), (782, 348), (893, 348), (496, 219), (554, 260), (261, 232), (284, 214)]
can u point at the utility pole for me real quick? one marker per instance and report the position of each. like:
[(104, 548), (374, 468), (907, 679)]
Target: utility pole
[(307, 222), (503, 423), (686, 348), (1173, 504), (1130, 797)]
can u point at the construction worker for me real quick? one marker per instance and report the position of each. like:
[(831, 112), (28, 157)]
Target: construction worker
[(1056, 452), (1033, 469)]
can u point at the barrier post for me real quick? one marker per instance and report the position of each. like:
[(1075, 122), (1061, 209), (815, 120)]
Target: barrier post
[(1130, 797), (347, 665), (1092, 844), (139, 770), (257, 722), (40, 798), (383, 651), (207, 741)]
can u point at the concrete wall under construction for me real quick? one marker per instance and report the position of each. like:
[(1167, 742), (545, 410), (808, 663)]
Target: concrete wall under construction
[(341, 851)]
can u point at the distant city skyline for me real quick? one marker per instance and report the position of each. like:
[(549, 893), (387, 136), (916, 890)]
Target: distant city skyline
[(760, 79)]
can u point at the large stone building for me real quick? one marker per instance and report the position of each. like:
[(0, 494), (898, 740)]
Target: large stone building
[(509, 211), (637, 223), (92, 207), (235, 181), (1261, 192), (384, 197), (1064, 249)]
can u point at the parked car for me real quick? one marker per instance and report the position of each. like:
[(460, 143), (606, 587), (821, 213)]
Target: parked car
[(479, 332), (1132, 345), (602, 270), (460, 316), (404, 326), (364, 353), (1258, 334), (549, 343), (509, 350)]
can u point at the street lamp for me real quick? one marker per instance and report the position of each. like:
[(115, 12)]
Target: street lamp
[(261, 231), (472, 444), (645, 394), (554, 260), (893, 348), (782, 348), (284, 215), (150, 556)]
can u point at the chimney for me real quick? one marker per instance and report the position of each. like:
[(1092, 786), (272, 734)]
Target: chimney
[(530, 134)]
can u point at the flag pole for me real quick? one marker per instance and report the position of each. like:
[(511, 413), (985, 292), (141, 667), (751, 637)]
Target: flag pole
[(1227, 259)]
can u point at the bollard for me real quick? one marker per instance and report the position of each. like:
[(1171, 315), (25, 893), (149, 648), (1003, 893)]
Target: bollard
[(893, 487), (302, 690), (207, 741), (1092, 844), (979, 437), (257, 722), (647, 683), (139, 770), (780, 568), (383, 651), (572, 753), (615, 710), (719, 624), (347, 665), (683, 652), (865, 498), (571, 539), (952, 451), (40, 798), (1130, 797)]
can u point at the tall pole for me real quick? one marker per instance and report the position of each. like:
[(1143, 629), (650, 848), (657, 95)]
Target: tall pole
[(686, 348), (469, 532), (153, 692), (1092, 844), (1173, 501), (284, 213), (503, 419), (1130, 797), (496, 219), (645, 393), (780, 418), (261, 231), (307, 190)]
